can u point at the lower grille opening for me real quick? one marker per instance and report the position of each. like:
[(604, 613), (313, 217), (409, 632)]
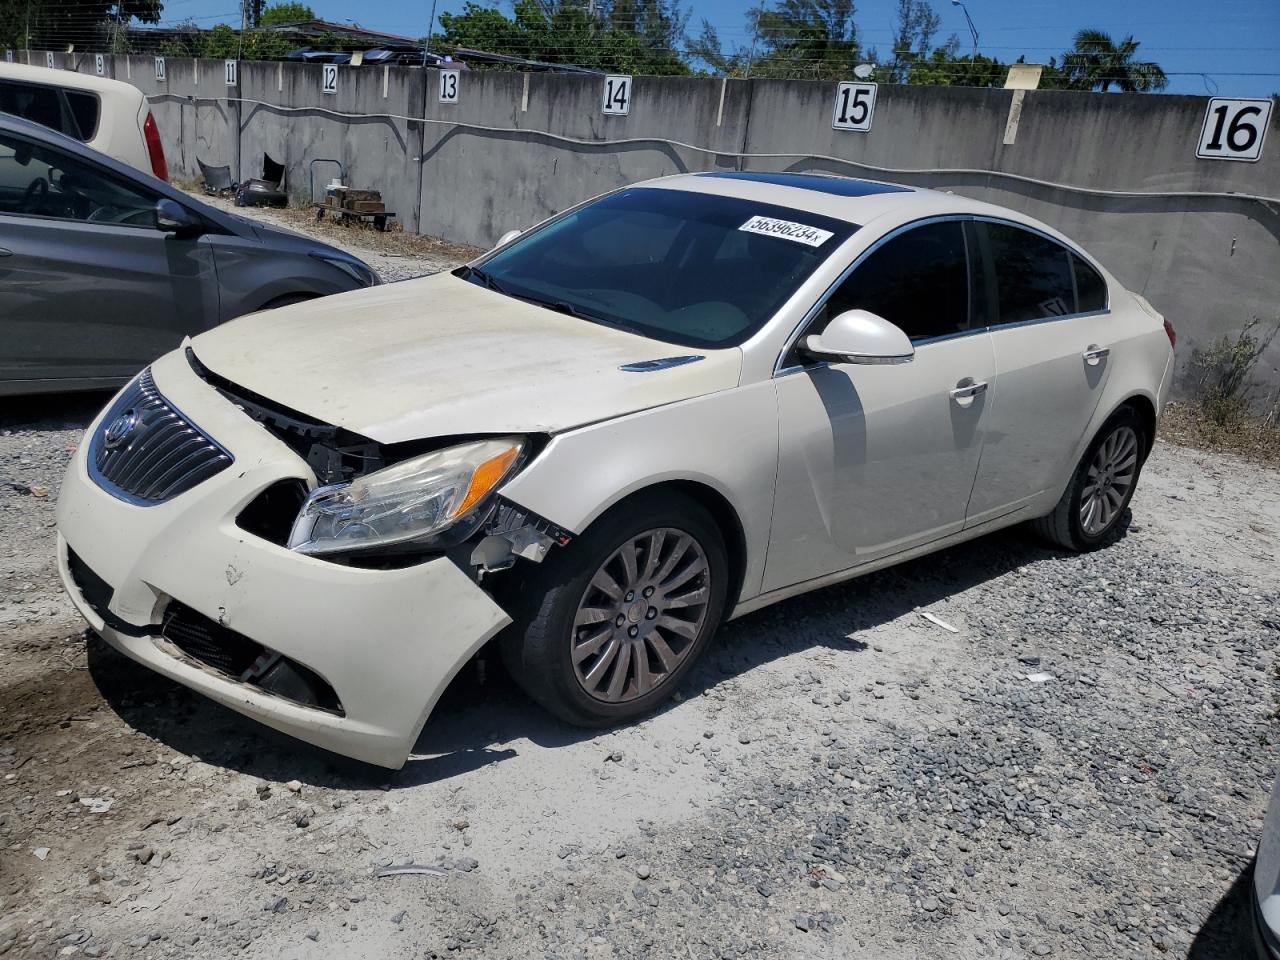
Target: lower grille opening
[(233, 653), (97, 592)]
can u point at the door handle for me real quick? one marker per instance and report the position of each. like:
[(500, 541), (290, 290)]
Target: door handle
[(1094, 354), (965, 393)]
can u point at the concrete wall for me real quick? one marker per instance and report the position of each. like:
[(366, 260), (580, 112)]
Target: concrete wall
[(1209, 264)]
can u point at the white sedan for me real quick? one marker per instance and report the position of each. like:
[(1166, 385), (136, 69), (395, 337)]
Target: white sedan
[(669, 406)]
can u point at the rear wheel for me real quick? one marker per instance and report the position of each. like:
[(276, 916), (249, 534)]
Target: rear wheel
[(1104, 481), (608, 626)]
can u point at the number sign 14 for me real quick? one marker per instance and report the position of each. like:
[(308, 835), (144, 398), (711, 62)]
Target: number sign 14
[(617, 95), (855, 106), (1234, 129)]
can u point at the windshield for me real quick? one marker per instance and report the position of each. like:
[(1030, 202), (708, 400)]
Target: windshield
[(689, 268)]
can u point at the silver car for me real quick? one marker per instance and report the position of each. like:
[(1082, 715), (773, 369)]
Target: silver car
[(103, 268), (1266, 884)]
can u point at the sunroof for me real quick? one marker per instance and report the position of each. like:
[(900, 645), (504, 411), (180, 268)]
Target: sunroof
[(838, 186)]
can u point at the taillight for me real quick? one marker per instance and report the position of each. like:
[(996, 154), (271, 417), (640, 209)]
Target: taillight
[(1171, 333), (154, 149)]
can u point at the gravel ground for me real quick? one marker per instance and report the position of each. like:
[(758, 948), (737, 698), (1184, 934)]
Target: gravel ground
[(841, 777)]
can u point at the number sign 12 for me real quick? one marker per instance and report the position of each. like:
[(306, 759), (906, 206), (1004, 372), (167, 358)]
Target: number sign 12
[(1234, 129), (448, 86), (329, 78), (855, 105), (617, 95)]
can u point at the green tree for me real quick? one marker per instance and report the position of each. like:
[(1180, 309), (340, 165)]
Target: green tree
[(630, 36), (914, 29), (285, 13), (814, 39), (1097, 62), (55, 24)]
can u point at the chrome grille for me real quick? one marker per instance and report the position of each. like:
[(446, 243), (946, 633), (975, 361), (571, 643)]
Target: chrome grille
[(145, 451)]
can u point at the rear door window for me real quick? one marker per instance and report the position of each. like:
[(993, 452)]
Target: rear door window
[(72, 112), (84, 111), (1034, 275), (1091, 289)]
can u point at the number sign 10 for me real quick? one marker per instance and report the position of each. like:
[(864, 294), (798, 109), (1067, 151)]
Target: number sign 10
[(855, 105), (617, 95), (1234, 129)]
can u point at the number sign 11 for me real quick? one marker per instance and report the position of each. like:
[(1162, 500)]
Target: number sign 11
[(855, 105), (1234, 129), (617, 95)]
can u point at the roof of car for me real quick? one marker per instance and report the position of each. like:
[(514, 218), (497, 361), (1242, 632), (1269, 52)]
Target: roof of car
[(67, 78), (852, 199)]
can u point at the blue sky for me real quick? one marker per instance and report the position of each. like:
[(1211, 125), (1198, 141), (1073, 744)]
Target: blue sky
[(1225, 39)]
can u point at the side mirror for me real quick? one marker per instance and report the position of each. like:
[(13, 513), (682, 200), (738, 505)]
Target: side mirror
[(859, 336), (173, 217), (507, 238)]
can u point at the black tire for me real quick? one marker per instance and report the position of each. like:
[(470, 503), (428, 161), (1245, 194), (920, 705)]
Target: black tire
[(287, 300), (1064, 526), (543, 600)]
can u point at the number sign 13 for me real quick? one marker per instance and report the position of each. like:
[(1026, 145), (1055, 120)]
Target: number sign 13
[(855, 105), (617, 95), (1234, 129), (448, 86)]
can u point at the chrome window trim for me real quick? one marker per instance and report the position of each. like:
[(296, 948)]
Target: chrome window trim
[(794, 337)]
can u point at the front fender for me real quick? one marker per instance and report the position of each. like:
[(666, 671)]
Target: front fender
[(727, 441)]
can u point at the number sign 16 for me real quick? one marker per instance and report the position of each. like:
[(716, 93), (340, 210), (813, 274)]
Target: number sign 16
[(617, 95), (855, 105), (448, 86), (1234, 129)]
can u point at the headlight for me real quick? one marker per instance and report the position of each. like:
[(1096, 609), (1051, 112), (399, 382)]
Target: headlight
[(357, 270), (408, 501)]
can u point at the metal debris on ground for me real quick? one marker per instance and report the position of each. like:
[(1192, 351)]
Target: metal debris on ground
[(410, 868)]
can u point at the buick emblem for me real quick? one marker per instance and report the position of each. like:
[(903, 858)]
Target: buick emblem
[(120, 430)]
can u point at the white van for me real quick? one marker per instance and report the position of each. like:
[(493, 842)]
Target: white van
[(108, 115)]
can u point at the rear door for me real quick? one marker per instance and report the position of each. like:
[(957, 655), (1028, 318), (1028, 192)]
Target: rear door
[(1051, 329), (89, 288)]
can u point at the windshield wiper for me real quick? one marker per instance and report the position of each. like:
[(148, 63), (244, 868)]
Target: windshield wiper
[(484, 278)]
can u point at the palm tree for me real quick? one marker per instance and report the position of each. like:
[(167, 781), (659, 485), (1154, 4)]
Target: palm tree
[(1096, 62)]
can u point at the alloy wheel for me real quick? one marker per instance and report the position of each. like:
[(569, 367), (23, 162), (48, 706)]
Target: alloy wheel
[(1109, 480), (641, 614)]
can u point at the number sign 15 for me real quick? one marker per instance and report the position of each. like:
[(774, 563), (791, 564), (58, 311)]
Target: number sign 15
[(1234, 129), (617, 95), (448, 86), (855, 105)]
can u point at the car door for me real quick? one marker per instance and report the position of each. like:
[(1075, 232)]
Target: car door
[(1051, 332), (89, 287), (876, 459)]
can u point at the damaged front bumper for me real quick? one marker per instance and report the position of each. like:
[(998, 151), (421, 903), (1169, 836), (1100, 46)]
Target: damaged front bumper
[(367, 652)]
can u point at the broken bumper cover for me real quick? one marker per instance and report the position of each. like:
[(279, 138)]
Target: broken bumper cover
[(387, 641)]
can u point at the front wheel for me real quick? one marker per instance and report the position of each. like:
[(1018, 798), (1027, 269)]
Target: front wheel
[(1089, 513), (607, 627)]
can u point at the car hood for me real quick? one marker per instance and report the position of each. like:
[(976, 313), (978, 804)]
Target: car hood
[(441, 356)]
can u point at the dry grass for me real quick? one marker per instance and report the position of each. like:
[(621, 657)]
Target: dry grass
[(1249, 438), (392, 241)]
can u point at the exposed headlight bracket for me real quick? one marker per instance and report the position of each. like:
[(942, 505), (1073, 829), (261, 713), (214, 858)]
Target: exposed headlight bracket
[(513, 532)]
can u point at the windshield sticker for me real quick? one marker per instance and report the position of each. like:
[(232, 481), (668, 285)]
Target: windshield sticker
[(796, 232)]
